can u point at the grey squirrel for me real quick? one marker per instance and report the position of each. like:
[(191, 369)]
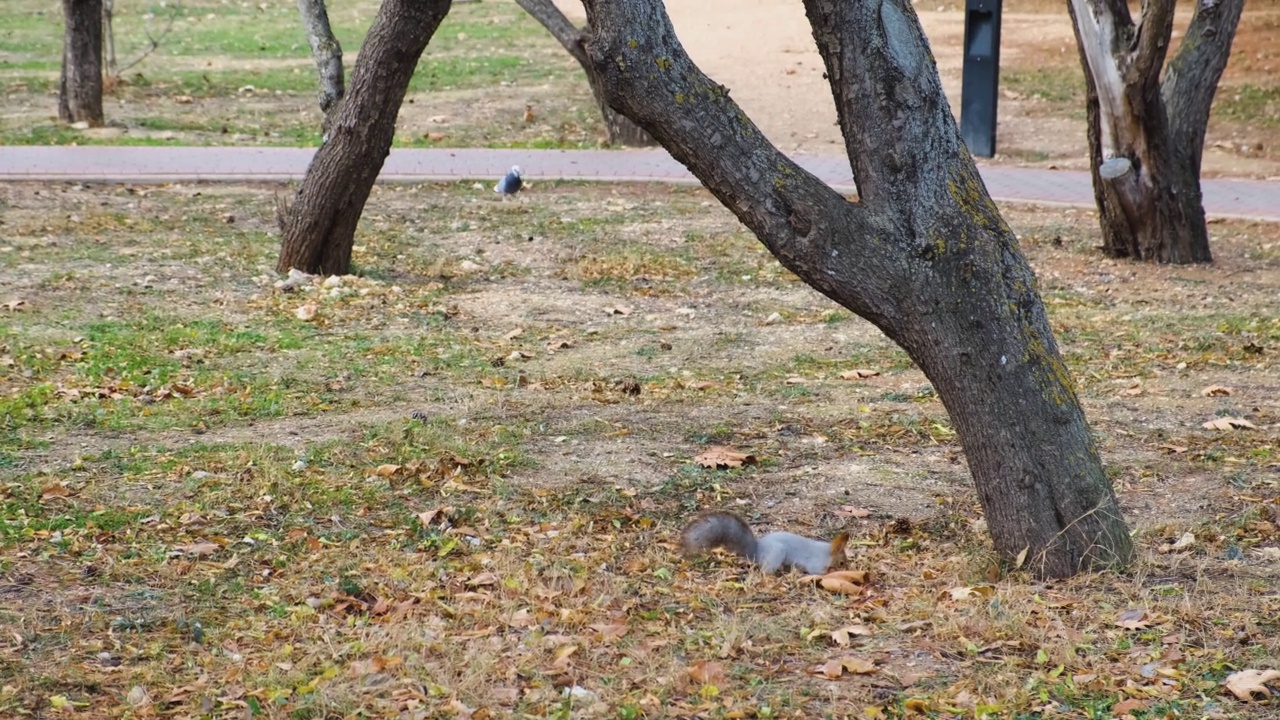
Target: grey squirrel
[(771, 552)]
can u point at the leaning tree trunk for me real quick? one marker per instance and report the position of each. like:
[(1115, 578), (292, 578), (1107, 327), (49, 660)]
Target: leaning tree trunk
[(80, 88), (319, 228), (1146, 137), (325, 50), (923, 254), (620, 129)]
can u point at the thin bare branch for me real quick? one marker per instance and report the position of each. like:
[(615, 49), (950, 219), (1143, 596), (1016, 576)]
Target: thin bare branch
[(153, 41), (326, 51), (565, 32), (1151, 43), (109, 37), (572, 38)]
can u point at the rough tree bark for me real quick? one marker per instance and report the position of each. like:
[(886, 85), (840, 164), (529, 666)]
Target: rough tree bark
[(923, 254), (1146, 137), (80, 88), (620, 129), (326, 51), (319, 228)]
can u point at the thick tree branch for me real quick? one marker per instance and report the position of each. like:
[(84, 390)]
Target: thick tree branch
[(565, 32), (1192, 77), (1151, 44), (573, 39), (648, 77), (875, 91), (326, 51), (1098, 32)]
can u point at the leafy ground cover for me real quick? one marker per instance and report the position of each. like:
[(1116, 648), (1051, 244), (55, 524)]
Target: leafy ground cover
[(450, 484)]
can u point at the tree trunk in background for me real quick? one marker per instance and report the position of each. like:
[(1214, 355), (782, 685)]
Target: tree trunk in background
[(319, 228), (923, 254), (1146, 137), (620, 129), (326, 51), (80, 88)]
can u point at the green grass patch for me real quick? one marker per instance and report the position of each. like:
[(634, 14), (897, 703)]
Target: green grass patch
[(1252, 104), (1056, 84)]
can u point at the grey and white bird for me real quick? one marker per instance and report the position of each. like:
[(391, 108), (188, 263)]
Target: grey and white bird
[(510, 183)]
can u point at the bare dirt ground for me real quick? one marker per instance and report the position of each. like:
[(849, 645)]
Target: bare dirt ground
[(764, 52)]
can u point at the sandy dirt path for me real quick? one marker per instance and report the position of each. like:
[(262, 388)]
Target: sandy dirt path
[(764, 52)]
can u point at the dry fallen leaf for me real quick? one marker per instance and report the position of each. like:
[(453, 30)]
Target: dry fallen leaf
[(504, 695), (1228, 423), (376, 664), (562, 656), (307, 311), (1184, 542), (918, 706), (199, 549), (1215, 391), (1248, 684), (483, 579), (860, 577), (461, 710), (707, 672), (721, 457), (858, 374), (834, 668), (961, 593), (386, 470), (55, 490), (425, 517), (843, 636), (609, 631), (831, 669), (839, 585), (1128, 706), (858, 666), (1133, 619)]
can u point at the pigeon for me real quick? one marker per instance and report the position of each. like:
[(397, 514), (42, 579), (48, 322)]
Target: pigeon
[(510, 183)]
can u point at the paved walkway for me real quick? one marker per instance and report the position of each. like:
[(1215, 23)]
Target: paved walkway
[(1251, 199)]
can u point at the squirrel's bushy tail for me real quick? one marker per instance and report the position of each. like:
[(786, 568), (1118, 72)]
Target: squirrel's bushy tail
[(719, 529)]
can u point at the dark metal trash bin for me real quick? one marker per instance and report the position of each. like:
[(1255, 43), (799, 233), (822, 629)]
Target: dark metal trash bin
[(980, 86)]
